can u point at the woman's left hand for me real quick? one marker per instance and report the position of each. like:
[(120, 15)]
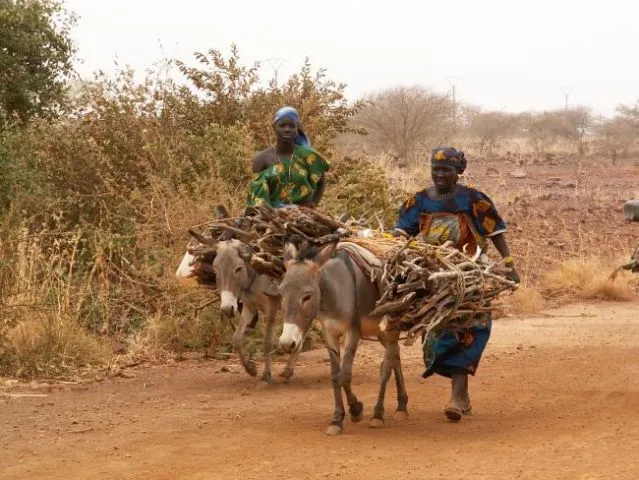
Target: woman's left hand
[(513, 276)]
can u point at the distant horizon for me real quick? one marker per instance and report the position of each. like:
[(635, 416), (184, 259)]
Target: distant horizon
[(500, 56)]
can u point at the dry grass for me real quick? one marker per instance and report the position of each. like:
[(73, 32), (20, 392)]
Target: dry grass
[(46, 348), (588, 278), (524, 301), (180, 333)]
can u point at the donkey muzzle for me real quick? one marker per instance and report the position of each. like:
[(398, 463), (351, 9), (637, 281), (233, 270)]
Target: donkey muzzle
[(292, 336), (228, 303)]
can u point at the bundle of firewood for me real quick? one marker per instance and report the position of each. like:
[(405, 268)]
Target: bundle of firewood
[(266, 230), (425, 286)]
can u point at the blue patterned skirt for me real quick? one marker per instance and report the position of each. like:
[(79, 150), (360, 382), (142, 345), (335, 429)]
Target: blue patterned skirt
[(457, 349)]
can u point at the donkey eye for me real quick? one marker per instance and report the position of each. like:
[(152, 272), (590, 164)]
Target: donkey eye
[(238, 269), (306, 298)]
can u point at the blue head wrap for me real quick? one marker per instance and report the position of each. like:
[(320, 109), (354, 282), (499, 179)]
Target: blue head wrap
[(290, 113)]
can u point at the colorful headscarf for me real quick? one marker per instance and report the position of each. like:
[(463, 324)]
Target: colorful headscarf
[(291, 114), (449, 156)]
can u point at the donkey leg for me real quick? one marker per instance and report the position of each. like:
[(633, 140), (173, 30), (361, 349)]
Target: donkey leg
[(385, 371), (268, 346), (332, 344), (336, 425), (402, 397), (238, 341), (290, 365), (355, 407)]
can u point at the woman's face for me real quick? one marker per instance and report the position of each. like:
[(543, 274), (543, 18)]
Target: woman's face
[(444, 177), (285, 130)]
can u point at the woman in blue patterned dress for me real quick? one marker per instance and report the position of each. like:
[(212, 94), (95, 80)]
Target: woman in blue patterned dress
[(447, 211)]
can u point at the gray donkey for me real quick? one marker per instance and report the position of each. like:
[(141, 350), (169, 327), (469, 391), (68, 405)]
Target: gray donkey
[(242, 290), (330, 286), (238, 282)]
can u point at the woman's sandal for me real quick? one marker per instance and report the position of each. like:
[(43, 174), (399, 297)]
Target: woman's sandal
[(454, 414)]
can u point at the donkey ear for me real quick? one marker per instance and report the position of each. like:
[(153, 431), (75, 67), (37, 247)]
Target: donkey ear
[(290, 253), (210, 242), (325, 254)]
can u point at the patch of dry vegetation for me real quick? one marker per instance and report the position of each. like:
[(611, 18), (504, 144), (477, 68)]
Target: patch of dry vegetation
[(54, 347), (524, 301), (588, 278)]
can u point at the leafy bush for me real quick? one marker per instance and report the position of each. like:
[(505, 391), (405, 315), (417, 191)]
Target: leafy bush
[(358, 188), (96, 203)]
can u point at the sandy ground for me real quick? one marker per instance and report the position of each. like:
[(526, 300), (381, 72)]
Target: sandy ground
[(556, 397)]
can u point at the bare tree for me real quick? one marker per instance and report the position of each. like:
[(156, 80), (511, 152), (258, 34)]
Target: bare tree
[(616, 136), (543, 129), (574, 125), (579, 124), (402, 120), (489, 127), (630, 113), (466, 114)]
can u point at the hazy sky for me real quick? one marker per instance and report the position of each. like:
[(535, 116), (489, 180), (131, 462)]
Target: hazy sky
[(502, 54)]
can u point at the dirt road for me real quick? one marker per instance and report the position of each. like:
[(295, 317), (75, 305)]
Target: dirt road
[(555, 398)]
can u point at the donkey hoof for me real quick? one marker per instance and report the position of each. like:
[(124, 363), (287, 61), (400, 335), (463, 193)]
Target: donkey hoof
[(401, 415), (263, 385), (251, 369), (267, 379), (287, 374), (334, 430), (376, 423), (357, 412)]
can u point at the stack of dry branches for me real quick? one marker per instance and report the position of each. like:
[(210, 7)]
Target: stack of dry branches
[(266, 230), (426, 286)]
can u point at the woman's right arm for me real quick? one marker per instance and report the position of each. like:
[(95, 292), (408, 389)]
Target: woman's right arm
[(408, 219), (259, 162), (259, 191)]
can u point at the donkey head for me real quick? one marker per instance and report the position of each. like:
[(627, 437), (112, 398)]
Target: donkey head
[(233, 274), (300, 291)]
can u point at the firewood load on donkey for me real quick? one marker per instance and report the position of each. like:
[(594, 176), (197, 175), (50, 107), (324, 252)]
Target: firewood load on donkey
[(225, 265), (334, 289), (241, 257)]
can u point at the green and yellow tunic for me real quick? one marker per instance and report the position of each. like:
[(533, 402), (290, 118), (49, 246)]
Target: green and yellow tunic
[(292, 180)]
